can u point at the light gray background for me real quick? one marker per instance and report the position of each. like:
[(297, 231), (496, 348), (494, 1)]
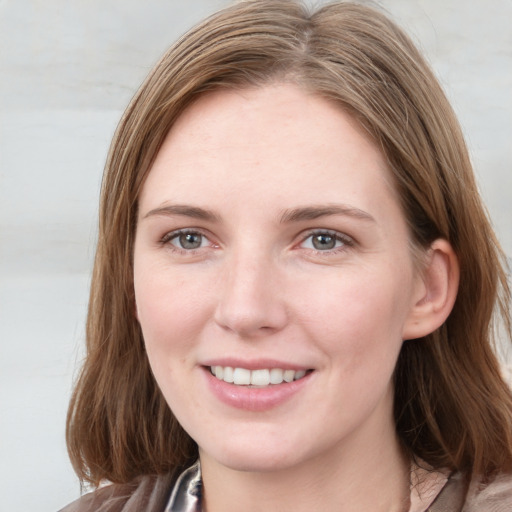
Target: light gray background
[(67, 70)]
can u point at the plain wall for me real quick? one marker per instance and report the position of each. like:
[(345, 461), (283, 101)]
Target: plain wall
[(67, 70)]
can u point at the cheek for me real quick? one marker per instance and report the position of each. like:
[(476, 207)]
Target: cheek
[(169, 317), (358, 319), (170, 309)]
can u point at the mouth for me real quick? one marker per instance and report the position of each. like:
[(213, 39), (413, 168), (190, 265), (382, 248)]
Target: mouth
[(264, 377)]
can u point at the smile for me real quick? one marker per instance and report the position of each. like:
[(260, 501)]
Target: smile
[(261, 377)]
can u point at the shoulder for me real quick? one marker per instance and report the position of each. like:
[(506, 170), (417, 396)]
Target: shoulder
[(494, 496), (147, 493), (476, 496)]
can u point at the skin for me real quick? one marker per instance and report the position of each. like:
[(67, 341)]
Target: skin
[(258, 287)]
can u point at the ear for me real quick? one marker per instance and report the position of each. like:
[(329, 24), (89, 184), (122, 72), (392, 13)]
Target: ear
[(435, 292)]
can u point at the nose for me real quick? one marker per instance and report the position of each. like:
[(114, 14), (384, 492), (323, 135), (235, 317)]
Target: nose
[(251, 300)]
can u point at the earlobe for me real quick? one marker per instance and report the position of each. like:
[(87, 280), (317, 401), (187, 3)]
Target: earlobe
[(436, 291)]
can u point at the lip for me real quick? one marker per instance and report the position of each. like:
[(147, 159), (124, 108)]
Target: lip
[(254, 399)]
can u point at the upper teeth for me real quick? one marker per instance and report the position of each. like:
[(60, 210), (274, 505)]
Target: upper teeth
[(264, 377)]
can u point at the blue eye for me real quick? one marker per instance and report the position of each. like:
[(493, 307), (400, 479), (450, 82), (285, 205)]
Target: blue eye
[(186, 240), (325, 241), (190, 240)]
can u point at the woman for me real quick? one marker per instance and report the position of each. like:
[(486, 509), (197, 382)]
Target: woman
[(295, 282)]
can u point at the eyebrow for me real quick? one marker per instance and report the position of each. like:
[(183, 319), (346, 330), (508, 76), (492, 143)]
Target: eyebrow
[(185, 211), (290, 215), (315, 212)]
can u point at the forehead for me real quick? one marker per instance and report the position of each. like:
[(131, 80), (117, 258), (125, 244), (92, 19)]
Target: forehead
[(272, 116), (277, 142)]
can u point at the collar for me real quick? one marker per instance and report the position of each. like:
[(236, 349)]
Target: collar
[(186, 494), (426, 485)]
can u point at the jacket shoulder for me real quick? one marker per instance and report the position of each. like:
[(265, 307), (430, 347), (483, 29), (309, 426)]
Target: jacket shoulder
[(495, 496), (461, 495), (147, 493)]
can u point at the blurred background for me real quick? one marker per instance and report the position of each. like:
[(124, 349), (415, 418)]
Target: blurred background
[(67, 70)]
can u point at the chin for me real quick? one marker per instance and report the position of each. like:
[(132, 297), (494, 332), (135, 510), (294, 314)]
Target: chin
[(254, 463), (253, 456)]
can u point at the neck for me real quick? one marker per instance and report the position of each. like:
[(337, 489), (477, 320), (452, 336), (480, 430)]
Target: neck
[(359, 475)]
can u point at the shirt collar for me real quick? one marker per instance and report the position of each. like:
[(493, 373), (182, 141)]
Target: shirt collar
[(186, 495)]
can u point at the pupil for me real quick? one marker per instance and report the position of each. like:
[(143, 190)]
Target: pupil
[(323, 242), (190, 240)]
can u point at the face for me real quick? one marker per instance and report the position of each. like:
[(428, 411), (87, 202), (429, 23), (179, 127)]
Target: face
[(273, 279)]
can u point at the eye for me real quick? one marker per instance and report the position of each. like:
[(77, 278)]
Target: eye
[(326, 241), (186, 240)]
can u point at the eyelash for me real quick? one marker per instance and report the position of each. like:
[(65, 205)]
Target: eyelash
[(345, 240)]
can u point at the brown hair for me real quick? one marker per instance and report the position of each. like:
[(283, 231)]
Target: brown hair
[(451, 406)]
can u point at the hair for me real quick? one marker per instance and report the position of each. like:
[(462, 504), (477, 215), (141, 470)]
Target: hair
[(452, 408)]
